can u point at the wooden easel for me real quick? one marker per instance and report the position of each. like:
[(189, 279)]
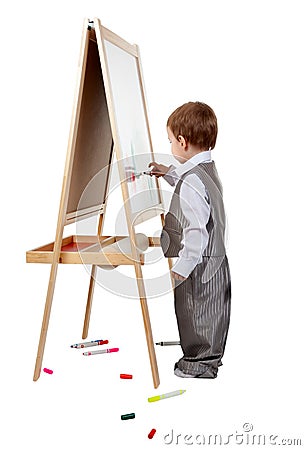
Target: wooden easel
[(94, 110)]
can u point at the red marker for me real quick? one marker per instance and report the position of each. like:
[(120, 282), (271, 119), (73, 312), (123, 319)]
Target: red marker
[(90, 344), (108, 350), (151, 433), (49, 371)]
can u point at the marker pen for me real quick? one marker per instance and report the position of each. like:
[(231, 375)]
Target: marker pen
[(97, 352), (90, 344)]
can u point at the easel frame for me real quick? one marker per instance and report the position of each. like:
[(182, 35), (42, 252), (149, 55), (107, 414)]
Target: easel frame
[(67, 250)]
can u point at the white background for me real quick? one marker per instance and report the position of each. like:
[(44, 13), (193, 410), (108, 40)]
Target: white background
[(246, 60)]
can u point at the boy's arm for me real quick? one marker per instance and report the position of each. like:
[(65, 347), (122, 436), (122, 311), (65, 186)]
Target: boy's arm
[(168, 173), (196, 209)]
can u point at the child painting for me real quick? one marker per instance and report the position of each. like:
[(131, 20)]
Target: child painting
[(194, 234)]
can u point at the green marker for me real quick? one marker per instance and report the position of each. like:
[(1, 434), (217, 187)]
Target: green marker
[(168, 395), (128, 416)]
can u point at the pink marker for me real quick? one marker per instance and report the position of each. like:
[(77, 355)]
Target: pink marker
[(49, 371), (97, 352)]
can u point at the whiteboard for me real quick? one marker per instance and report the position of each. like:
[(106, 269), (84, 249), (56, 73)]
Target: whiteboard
[(131, 135)]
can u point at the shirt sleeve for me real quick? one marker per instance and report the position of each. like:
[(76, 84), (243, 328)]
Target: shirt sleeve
[(171, 176), (196, 209)]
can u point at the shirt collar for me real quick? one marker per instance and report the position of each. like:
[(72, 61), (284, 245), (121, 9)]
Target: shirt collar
[(201, 157)]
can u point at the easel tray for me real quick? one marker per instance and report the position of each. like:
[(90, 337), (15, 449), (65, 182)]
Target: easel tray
[(79, 249)]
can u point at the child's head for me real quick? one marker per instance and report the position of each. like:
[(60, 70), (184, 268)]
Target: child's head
[(192, 126)]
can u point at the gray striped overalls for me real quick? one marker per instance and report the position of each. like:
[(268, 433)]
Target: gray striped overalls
[(202, 301)]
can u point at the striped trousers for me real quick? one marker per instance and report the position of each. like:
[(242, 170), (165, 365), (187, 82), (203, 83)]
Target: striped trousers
[(202, 307)]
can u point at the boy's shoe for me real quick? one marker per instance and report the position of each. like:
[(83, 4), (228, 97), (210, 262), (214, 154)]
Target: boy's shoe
[(210, 372), (181, 374)]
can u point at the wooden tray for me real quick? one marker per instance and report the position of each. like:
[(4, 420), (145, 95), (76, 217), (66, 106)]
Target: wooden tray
[(86, 250)]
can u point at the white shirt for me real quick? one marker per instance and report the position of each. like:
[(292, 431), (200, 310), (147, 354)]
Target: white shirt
[(196, 209)]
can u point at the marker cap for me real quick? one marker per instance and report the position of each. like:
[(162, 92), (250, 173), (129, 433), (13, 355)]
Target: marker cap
[(128, 416), (125, 376), (151, 433)]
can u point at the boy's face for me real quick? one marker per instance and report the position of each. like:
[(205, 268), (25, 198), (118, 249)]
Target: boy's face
[(178, 147)]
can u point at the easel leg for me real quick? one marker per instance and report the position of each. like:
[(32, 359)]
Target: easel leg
[(64, 197), (150, 343), (89, 302), (147, 327), (45, 321), (91, 286)]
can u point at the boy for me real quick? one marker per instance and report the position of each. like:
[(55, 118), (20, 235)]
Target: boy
[(194, 232)]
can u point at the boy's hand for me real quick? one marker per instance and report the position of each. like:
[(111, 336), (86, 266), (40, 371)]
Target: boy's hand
[(177, 276), (159, 170)]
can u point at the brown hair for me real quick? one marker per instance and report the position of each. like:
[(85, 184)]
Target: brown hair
[(196, 122)]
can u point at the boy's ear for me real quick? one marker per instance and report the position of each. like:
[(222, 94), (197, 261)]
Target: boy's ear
[(182, 141)]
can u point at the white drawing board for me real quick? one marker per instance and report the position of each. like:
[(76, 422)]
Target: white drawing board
[(129, 122)]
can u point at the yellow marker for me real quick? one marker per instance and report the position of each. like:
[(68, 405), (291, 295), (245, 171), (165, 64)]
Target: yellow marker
[(168, 395)]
